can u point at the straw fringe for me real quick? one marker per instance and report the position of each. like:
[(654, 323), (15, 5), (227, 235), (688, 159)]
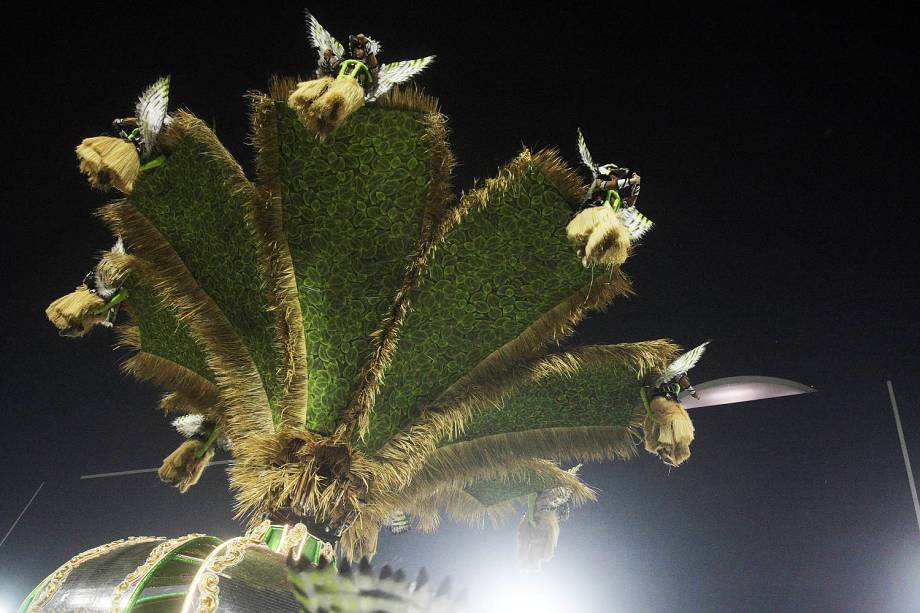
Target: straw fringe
[(410, 98), (424, 502), (280, 87), (461, 506), (177, 402), (646, 357), (192, 388), (360, 540), (566, 444), (384, 340), (427, 512), (443, 475), (267, 217), (315, 475), (495, 377), (238, 381)]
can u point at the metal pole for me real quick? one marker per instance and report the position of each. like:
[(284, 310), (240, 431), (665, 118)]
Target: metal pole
[(910, 473), (26, 508)]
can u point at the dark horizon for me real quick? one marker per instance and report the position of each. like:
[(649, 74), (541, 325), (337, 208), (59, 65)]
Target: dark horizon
[(776, 148)]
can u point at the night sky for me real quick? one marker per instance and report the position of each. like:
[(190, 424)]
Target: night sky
[(778, 154)]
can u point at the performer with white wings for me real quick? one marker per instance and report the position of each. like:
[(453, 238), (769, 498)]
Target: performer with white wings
[(184, 466), (608, 223), (345, 79), (115, 162), (397, 522), (94, 302), (538, 530), (668, 429)]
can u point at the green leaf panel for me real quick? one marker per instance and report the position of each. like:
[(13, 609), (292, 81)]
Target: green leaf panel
[(597, 395), (161, 333), (490, 492), (503, 267), (192, 202), (353, 208)]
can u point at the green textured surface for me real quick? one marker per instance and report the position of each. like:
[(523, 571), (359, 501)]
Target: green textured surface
[(191, 202), (598, 395), (161, 333), (493, 491), (500, 270), (353, 209)]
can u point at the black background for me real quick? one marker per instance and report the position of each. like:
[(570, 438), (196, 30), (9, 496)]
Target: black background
[(777, 150)]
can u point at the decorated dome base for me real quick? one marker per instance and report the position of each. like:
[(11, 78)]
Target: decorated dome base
[(190, 573)]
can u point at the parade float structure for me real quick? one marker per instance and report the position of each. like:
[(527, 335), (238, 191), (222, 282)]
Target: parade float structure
[(370, 347)]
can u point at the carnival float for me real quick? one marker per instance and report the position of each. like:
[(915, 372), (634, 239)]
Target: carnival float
[(371, 348)]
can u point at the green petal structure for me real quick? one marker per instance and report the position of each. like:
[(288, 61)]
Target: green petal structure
[(199, 201), (354, 209), (504, 265), (590, 387), (369, 342)]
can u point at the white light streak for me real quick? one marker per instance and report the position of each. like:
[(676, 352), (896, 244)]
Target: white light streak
[(26, 508)]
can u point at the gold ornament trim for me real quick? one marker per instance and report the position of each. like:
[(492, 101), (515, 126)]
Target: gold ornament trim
[(327, 551), (159, 552), (258, 532), (206, 582), (61, 574), (293, 541)]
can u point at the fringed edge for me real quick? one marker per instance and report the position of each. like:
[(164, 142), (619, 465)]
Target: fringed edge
[(194, 390), (264, 216), (425, 502), (463, 507), (177, 402), (495, 377), (385, 340), (449, 492), (560, 175), (236, 377), (267, 217), (444, 417), (571, 444), (646, 357), (427, 512), (276, 470), (410, 98), (185, 125), (280, 87), (360, 539)]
